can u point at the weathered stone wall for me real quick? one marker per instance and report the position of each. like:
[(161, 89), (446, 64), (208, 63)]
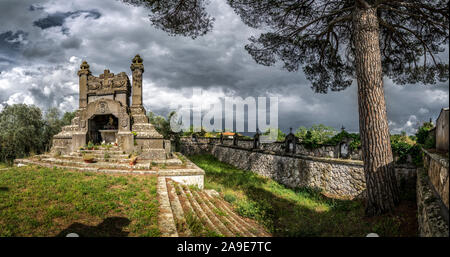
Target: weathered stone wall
[(436, 167), (341, 178), (336, 177), (442, 130), (329, 151), (431, 216)]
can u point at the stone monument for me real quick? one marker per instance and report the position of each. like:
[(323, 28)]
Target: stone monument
[(106, 115)]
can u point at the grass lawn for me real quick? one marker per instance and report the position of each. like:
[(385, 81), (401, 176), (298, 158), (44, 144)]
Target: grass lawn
[(38, 201), (301, 211)]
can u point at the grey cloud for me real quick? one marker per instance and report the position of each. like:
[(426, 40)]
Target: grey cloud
[(38, 50), (35, 7), (177, 64), (71, 42), (57, 19)]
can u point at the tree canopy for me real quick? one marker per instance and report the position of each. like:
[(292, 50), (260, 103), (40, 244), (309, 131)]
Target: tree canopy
[(318, 35), (25, 130)]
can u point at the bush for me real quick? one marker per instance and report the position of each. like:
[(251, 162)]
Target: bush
[(430, 142), (280, 135), (229, 197), (354, 145), (315, 136), (22, 130), (423, 131)]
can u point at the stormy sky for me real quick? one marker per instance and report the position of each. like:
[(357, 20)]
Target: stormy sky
[(42, 44)]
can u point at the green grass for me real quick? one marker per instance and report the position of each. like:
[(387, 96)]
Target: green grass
[(300, 211), (53, 202)]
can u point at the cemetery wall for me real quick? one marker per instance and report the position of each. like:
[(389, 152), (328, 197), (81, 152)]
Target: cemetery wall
[(431, 216), (341, 178), (436, 168), (329, 151)]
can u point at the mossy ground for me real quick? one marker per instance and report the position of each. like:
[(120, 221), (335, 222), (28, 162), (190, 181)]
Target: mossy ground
[(38, 201), (301, 211)]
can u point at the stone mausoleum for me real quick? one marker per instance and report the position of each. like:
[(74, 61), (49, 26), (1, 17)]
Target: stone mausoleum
[(106, 114)]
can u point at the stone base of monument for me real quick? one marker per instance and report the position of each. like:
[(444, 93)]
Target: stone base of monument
[(115, 160)]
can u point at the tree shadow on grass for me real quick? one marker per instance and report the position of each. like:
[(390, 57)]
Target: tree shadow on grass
[(285, 217), (326, 216), (109, 227), (4, 189)]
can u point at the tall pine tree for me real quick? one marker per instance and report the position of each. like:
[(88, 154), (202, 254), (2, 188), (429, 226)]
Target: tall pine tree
[(335, 42)]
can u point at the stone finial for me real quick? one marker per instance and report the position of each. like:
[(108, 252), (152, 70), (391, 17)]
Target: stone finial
[(84, 69), (137, 63)]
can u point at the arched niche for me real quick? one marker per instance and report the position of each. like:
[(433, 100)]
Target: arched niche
[(106, 107)]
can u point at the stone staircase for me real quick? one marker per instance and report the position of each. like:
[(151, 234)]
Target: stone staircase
[(113, 160), (188, 211)]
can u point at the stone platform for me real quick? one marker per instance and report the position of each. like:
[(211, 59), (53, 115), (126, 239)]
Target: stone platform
[(114, 160)]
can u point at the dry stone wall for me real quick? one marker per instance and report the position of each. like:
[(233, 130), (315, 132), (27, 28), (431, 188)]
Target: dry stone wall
[(431, 214), (328, 151), (342, 178), (436, 167)]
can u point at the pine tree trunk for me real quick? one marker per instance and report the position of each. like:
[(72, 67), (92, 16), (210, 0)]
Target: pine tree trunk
[(381, 184)]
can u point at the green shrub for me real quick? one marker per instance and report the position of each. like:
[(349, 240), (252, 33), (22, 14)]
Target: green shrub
[(423, 131), (315, 136), (336, 139), (430, 142), (229, 197), (249, 209)]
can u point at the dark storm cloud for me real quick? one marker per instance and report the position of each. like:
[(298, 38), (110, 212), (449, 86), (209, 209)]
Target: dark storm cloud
[(218, 62), (10, 47), (57, 19), (35, 7), (11, 40)]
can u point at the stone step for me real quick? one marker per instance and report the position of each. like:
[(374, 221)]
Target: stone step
[(100, 151), (210, 211), (166, 221), (84, 168), (212, 215), (113, 168), (198, 211), (98, 164), (100, 158), (140, 165), (224, 216), (101, 155), (253, 228), (168, 162), (177, 210)]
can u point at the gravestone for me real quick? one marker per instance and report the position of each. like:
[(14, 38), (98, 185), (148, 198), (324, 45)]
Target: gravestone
[(344, 146), (290, 142), (235, 139), (256, 140)]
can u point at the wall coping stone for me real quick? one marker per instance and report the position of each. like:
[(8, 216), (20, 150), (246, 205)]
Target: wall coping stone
[(298, 156), (440, 159)]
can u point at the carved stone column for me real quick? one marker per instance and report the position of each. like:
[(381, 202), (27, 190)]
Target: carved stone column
[(83, 74), (137, 67)]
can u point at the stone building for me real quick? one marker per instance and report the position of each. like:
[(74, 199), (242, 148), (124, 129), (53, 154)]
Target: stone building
[(106, 115), (442, 130)]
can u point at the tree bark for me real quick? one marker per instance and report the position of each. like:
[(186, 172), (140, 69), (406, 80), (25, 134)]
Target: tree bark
[(382, 190)]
